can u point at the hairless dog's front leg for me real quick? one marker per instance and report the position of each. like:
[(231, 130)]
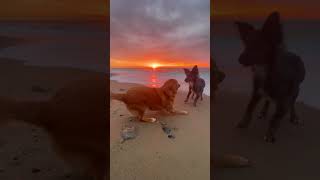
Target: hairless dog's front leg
[(190, 91)]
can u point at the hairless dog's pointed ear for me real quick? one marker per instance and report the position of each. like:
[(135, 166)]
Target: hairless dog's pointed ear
[(195, 69), (272, 28), (244, 29), (186, 71)]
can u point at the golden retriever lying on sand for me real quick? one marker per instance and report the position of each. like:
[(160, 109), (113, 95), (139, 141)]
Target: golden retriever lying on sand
[(139, 99), (75, 119)]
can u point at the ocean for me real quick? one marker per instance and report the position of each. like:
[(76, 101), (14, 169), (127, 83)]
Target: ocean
[(301, 38), (156, 77), (81, 45)]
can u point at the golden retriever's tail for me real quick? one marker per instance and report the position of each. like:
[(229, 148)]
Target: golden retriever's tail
[(231, 161), (27, 111), (118, 96)]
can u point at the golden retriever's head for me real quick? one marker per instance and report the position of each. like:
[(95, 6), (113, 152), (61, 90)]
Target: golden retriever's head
[(170, 87)]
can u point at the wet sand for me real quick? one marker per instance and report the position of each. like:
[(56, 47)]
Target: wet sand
[(294, 156), (25, 150), (152, 155)]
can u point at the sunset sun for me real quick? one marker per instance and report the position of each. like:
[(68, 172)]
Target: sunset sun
[(154, 65)]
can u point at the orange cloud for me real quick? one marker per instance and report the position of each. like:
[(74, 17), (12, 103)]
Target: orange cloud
[(53, 9), (168, 33), (115, 63), (248, 9)]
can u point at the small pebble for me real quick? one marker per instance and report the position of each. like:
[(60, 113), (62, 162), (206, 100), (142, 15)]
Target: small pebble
[(166, 130)]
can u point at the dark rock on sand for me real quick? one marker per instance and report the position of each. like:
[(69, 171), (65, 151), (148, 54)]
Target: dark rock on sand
[(128, 132), (167, 130)]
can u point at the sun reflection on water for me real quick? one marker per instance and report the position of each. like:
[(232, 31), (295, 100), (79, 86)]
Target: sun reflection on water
[(153, 79)]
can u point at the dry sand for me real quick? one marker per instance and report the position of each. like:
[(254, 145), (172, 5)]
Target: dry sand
[(152, 155), (25, 151), (294, 156)]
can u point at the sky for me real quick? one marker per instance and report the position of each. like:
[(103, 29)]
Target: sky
[(259, 9), (52, 9), (160, 33)]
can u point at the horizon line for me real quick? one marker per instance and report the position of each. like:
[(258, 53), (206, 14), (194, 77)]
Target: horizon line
[(147, 67)]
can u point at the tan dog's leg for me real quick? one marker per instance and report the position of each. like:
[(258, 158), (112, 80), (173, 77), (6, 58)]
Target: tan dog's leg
[(145, 119), (134, 111), (180, 112), (139, 113), (150, 119)]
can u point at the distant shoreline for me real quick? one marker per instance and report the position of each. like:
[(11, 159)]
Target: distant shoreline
[(113, 74), (149, 78), (7, 41), (137, 84)]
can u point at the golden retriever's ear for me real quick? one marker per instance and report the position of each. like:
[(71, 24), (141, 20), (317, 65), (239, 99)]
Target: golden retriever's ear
[(170, 88)]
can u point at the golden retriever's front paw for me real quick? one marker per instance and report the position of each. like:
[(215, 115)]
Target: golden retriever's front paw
[(152, 119), (182, 112)]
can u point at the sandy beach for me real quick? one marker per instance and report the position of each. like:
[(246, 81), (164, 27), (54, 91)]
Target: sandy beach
[(294, 156), (152, 155), (25, 151)]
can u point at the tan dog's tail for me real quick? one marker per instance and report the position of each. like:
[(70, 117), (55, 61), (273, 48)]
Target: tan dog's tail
[(118, 96), (231, 161), (27, 111)]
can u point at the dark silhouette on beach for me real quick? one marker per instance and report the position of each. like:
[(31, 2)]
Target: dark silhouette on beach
[(277, 73)]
